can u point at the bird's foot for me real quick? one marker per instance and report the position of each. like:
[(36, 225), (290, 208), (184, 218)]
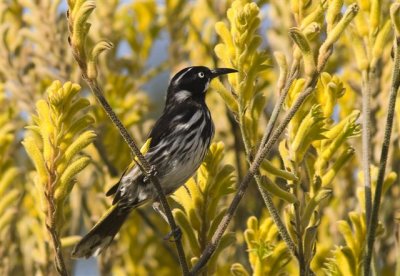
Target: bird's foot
[(174, 235), (151, 173)]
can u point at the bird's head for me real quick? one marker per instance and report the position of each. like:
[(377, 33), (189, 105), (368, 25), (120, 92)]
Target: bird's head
[(191, 83)]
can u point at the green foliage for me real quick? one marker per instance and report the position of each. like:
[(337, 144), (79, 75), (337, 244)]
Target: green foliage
[(239, 50)]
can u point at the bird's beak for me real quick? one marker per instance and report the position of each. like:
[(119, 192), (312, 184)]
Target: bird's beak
[(221, 71)]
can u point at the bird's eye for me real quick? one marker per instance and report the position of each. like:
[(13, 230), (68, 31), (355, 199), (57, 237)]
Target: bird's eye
[(201, 74)]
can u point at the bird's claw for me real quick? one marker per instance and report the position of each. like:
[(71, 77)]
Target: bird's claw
[(151, 173), (174, 235)]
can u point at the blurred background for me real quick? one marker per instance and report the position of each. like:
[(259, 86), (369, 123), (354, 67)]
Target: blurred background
[(152, 41)]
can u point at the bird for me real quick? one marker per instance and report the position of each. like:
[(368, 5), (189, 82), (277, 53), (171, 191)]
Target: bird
[(179, 141)]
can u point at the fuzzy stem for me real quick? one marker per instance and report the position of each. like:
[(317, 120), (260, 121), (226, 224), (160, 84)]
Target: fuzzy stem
[(283, 232), (52, 229), (373, 223), (264, 194), (366, 139), (299, 234)]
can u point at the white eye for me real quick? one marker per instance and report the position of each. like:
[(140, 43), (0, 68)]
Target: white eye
[(201, 74)]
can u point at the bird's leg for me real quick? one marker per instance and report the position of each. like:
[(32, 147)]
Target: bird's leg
[(152, 173), (175, 233)]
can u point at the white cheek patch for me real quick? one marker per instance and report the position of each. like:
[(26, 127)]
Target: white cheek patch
[(206, 86), (182, 95)]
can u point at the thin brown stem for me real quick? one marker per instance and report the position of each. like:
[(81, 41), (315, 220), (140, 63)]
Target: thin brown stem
[(264, 194), (52, 229), (283, 232), (299, 234)]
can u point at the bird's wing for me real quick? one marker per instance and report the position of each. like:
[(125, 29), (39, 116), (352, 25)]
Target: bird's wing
[(163, 127), (115, 188), (167, 123)]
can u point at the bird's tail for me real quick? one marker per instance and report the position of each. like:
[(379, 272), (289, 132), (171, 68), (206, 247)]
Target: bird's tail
[(102, 234)]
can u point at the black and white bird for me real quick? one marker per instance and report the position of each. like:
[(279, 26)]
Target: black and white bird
[(179, 142)]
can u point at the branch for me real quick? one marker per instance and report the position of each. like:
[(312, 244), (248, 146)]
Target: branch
[(253, 170), (264, 194), (52, 229), (78, 29), (373, 223)]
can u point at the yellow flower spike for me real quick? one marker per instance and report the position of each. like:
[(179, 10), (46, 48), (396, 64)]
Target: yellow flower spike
[(305, 48), (358, 48), (328, 177), (339, 127), (348, 259), (317, 15), (93, 57), (351, 129), (294, 91), (365, 5), (335, 33), (227, 96), (270, 168), (395, 17), (310, 129), (56, 153), (75, 147), (333, 13), (267, 255), (8, 200), (223, 32), (381, 40), (71, 3), (239, 48), (283, 69), (312, 31), (66, 179), (201, 212), (6, 218), (189, 234), (274, 189), (7, 179), (80, 25), (31, 147), (295, 6), (312, 205), (390, 179), (375, 17), (70, 241), (310, 235), (330, 89)]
